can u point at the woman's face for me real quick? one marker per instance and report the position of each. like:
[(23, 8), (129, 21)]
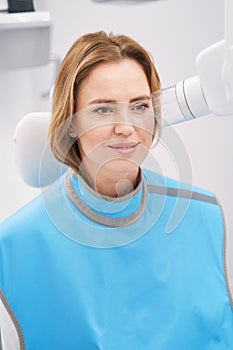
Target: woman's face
[(114, 121)]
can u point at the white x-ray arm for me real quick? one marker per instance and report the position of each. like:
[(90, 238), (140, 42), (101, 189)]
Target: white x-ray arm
[(211, 90)]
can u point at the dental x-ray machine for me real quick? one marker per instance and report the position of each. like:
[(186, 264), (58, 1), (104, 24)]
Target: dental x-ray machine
[(209, 92)]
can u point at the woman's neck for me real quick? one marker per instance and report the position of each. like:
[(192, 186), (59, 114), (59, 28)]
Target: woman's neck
[(110, 183)]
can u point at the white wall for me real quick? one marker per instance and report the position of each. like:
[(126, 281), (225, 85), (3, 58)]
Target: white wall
[(174, 31)]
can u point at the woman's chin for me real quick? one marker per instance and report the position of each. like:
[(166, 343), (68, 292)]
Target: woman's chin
[(121, 166)]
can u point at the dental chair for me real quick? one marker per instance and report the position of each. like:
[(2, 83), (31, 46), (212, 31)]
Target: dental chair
[(34, 159)]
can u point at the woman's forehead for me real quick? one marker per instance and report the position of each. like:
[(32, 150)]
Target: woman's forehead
[(120, 82)]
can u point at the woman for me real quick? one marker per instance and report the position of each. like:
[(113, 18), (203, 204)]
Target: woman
[(88, 264)]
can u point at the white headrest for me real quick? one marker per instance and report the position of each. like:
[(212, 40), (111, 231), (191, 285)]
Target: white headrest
[(34, 159)]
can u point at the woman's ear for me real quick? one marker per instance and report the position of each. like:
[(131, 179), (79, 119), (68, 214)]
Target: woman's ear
[(72, 129)]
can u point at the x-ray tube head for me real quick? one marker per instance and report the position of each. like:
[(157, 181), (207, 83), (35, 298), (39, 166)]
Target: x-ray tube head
[(209, 92), (181, 102), (166, 107)]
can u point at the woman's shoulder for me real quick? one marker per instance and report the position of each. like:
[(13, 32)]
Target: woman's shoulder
[(174, 186), (23, 218), (33, 216), (186, 201)]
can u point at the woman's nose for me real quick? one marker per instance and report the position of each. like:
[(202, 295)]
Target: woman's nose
[(122, 128), (123, 124)]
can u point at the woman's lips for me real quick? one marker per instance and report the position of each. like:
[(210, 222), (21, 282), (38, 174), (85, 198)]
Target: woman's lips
[(125, 148)]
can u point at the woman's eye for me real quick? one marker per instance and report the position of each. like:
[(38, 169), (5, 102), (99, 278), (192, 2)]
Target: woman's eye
[(143, 107), (102, 110)]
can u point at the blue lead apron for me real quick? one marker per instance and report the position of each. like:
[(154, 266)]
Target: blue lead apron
[(79, 271)]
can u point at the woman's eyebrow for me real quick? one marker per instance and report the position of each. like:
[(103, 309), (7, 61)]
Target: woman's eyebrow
[(103, 100), (140, 98)]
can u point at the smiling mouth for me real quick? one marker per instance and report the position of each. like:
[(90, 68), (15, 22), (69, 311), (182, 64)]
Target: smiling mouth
[(124, 148)]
